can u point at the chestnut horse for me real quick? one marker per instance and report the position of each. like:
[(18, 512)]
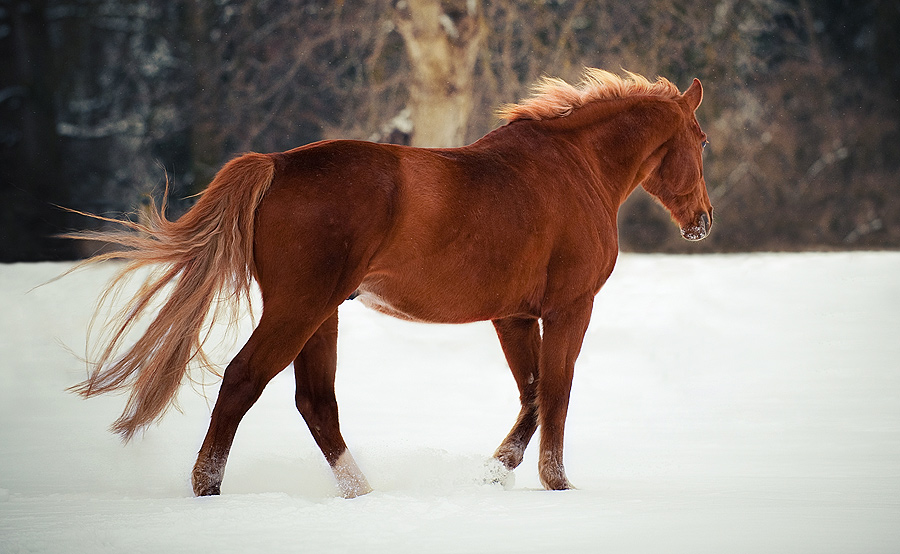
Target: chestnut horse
[(517, 228)]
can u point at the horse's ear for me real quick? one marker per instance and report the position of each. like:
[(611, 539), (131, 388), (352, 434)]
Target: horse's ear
[(694, 94)]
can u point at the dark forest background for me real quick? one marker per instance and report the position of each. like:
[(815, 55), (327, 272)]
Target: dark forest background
[(102, 100)]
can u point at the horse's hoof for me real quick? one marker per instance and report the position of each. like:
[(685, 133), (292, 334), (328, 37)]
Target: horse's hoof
[(212, 491), (552, 475), (205, 488), (497, 473), (557, 482), (353, 492), (563, 485)]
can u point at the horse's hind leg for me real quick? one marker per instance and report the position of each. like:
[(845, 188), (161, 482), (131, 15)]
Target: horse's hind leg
[(315, 369), (521, 342), (271, 347)]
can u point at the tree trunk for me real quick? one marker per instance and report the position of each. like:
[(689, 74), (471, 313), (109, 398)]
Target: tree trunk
[(442, 42)]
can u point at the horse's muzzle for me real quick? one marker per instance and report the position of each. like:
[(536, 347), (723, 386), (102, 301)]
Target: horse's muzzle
[(699, 229)]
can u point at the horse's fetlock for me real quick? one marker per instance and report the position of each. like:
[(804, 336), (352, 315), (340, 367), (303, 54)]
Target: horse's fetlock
[(510, 455)]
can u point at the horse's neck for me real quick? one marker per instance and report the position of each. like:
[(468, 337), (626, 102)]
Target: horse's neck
[(617, 137)]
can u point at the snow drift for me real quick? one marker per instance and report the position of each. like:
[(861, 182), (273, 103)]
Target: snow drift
[(737, 403)]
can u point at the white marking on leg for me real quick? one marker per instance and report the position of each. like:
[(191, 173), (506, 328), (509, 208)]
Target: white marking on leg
[(350, 480)]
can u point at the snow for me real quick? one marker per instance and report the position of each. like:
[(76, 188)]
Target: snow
[(737, 403)]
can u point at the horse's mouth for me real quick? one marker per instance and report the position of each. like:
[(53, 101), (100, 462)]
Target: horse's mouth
[(699, 229)]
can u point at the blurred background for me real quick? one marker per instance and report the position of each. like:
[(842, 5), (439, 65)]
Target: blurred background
[(102, 100)]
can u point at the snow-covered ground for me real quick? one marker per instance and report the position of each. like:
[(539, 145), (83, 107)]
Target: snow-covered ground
[(744, 403)]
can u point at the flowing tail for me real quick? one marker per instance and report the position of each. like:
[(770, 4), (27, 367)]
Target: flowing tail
[(206, 256)]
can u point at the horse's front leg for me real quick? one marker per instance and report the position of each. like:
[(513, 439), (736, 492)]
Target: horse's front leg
[(563, 334), (521, 342)]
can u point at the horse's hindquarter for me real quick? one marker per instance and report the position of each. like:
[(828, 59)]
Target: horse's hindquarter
[(475, 238), (325, 215)]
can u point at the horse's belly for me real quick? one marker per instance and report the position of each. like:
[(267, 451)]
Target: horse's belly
[(428, 298), (380, 304)]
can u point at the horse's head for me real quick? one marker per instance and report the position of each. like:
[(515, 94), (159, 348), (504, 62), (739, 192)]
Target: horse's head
[(677, 181)]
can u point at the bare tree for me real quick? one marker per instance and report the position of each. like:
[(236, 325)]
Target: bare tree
[(800, 106)]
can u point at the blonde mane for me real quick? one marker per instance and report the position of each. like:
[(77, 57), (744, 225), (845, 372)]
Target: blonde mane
[(552, 97)]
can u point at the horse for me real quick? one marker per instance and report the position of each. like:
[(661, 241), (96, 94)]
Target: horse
[(518, 228)]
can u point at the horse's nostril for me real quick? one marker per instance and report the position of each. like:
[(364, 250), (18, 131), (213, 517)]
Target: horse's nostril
[(704, 222)]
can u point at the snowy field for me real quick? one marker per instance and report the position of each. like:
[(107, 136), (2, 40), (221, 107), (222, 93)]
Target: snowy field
[(722, 404)]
